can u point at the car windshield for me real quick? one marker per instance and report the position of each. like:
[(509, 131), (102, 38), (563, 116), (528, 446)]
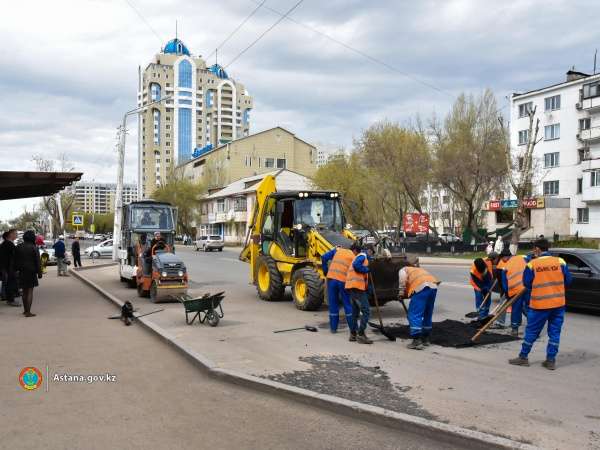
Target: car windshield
[(215, 238), (319, 212), (151, 217)]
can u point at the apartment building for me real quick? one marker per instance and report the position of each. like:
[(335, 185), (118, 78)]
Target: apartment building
[(205, 108), (99, 198)]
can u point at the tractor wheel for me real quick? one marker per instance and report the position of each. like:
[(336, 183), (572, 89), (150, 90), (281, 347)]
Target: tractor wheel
[(269, 281), (131, 283), (141, 292), (307, 289), (154, 292)]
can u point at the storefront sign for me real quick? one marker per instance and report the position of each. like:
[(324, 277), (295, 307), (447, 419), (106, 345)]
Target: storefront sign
[(530, 203), (416, 223)]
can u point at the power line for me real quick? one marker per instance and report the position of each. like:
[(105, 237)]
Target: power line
[(237, 28), (360, 52), (144, 20), (277, 22)]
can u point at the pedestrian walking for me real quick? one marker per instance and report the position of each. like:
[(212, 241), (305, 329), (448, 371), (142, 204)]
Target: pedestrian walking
[(421, 287), (29, 267), (357, 284), (7, 267), (335, 267), (546, 277), (60, 253), (76, 251), (481, 280)]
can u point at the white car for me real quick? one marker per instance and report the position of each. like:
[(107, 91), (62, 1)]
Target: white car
[(449, 238), (210, 243), (104, 248)]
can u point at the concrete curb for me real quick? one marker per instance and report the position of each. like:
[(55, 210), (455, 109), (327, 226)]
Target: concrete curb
[(462, 437), (95, 266)]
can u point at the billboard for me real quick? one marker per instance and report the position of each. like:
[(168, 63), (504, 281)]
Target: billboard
[(416, 223), (529, 203)]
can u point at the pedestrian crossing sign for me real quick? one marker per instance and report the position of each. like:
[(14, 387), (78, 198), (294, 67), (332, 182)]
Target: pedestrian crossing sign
[(77, 220)]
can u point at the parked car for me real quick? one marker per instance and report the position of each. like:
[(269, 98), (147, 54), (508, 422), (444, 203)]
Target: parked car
[(48, 250), (210, 243), (449, 238), (584, 265), (104, 248)]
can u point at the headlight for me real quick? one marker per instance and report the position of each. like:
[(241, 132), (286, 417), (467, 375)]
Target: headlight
[(164, 274), (180, 273)]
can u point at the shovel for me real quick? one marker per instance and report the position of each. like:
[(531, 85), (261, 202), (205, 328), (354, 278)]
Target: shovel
[(489, 320), (379, 327), (474, 314), (305, 327)]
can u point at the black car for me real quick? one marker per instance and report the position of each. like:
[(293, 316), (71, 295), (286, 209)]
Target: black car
[(584, 265)]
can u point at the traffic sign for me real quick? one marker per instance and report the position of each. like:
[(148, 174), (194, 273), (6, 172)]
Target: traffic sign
[(77, 220)]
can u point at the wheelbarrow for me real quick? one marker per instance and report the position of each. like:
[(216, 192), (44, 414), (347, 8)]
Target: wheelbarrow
[(206, 308)]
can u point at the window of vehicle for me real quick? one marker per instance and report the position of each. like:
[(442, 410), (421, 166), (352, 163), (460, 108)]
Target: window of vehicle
[(552, 103), (551, 188), (585, 124), (552, 132), (583, 215), (591, 90), (573, 262), (215, 238), (203, 238), (523, 137), (551, 159), (322, 212), (595, 178), (525, 108)]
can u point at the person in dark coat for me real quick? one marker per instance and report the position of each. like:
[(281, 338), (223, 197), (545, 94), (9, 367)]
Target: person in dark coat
[(76, 250), (7, 267), (29, 267)]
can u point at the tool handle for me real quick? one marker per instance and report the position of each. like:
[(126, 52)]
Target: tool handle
[(376, 300), (488, 296), (503, 308)]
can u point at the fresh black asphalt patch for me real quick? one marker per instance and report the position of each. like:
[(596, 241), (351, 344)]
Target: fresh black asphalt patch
[(452, 333), (341, 377)]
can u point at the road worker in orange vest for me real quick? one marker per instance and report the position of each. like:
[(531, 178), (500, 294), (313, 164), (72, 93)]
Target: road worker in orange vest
[(511, 270), (335, 266), (357, 284), (421, 287), (546, 277), (481, 275)]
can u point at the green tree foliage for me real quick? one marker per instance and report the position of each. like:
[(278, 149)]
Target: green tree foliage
[(469, 154), (28, 220), (183, 193)]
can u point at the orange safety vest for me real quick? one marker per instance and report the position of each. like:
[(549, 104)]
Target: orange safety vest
[(514, 268), (548, 287), (416, 278), (338, 268), (356, 280), (478, 275)]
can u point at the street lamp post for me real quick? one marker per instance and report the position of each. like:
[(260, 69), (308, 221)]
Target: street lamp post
[(119, 193)]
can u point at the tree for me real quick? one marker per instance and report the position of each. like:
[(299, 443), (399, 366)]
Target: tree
[(469, 154), (183, 193), (28, 220), (521, 168)]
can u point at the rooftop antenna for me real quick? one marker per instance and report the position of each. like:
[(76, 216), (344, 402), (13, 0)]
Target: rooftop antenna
[(176, 29), (217, 51), (595, 55)]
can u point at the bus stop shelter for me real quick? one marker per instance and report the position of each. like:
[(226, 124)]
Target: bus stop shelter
[(14, 184)]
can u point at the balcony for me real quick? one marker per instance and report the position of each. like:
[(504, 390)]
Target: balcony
[(591, 105), (590, 135), (590, 194)]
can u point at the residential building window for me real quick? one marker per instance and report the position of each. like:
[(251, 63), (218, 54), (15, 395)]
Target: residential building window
[(248, 161), (185, 94), (550, 187), (281, 163), (156, 116), (185, 74), (551, 159), (221, 205), (269, 162), (184, 135), (579, 185), (523, 137), (583, 215), (585, 124), (525, 108), (240, 204), (183, 101), (552, 103), (259, 162), (552, 132), (154, 92), (591, 90), (595, 178)]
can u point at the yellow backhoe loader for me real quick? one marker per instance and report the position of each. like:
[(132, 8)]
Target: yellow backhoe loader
[(289, 232)]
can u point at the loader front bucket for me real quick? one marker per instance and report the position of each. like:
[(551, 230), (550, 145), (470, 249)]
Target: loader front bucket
[(385, 277)]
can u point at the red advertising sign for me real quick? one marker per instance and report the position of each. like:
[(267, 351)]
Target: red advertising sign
[(494, 205), (416, 223)]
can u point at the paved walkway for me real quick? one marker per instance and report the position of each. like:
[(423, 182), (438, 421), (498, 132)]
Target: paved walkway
[(159, 399)]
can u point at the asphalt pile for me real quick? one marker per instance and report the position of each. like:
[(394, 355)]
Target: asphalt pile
[(452, 333)]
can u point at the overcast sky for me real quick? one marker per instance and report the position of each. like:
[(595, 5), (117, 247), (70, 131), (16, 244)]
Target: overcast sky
[(69, 67)]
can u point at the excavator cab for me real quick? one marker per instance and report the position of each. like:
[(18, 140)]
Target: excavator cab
[(288, 234)]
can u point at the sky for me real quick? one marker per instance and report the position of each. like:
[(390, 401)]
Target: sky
[(69, 67)]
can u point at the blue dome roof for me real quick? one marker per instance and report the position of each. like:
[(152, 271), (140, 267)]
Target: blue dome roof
[(218, 71), (175, 46)]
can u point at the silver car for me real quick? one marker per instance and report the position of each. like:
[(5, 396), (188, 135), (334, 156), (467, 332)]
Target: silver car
[(104, 248), (210, 243)]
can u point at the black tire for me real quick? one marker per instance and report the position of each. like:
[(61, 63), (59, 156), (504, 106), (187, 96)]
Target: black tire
[(221, 249), (123, 280), (154, 292), (141, 292), (213, 318), (307, 289), (197, 248), (273, 290), (95, 255)]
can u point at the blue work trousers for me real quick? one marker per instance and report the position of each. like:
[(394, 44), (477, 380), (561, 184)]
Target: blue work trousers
[(420, 312), (536, 319), (360, 307), (479, 296), (518, 307), (336, 293)]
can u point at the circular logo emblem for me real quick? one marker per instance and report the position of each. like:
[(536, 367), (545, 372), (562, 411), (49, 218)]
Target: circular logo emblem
[(30, 378)]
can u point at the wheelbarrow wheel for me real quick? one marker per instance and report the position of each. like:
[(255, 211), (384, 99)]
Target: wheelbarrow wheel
[(213, 318)]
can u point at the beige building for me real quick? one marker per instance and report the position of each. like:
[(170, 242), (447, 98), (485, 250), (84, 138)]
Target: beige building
[(228, 211), (206, 109), (260, 153), (99, 198)]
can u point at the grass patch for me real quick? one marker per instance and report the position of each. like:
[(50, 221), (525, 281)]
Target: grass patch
[(576, 243)]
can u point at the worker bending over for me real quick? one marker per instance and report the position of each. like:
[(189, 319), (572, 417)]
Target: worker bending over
[(481, 280), (335, 266), (421, 287), (357, 284), (511, 275), (547, 277)]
